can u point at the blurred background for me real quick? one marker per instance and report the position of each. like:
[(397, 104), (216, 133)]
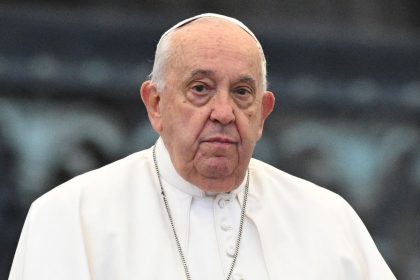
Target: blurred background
[(346, 74)]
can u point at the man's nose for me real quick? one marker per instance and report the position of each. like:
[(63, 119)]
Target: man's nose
[(222, 108)]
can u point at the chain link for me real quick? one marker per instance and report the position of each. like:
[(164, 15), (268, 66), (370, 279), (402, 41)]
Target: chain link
[(178, 244)]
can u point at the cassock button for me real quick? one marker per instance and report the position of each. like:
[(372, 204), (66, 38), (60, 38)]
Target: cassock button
[(222, 203), (231, 251), (226, 226)]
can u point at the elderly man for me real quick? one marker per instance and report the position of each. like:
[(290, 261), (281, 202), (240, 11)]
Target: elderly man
[(195, 205)]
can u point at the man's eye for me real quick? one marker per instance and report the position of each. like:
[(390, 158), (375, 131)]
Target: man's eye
[(244, 96), (201, 89), (199, 93), (242, 91)]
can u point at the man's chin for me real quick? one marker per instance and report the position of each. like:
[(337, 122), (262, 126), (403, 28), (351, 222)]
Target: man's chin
[(216, 168)]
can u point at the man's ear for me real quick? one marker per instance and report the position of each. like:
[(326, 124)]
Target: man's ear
[(151, 100), (267, 106)]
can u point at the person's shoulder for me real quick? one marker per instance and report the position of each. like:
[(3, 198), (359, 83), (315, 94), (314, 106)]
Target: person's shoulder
[(291, 188), (97, 181), (290, 196)]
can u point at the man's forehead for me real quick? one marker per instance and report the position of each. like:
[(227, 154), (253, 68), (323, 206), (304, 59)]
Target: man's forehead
[(204, 41)]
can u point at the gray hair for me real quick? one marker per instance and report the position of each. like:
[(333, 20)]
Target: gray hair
[(163, 49)]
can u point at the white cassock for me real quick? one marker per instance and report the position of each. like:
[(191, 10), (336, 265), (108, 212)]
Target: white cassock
[(111, 223)]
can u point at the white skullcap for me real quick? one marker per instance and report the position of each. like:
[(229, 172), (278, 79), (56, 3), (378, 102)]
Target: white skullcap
[(212, 15)]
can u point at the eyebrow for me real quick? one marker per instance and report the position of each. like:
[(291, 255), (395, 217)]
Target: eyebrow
[(248, 80), (201, 72)]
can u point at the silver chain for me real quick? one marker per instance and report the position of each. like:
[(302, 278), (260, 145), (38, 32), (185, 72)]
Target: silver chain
[(178, 244)]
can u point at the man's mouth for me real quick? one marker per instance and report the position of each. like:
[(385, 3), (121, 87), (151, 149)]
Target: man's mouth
[(220, 140)]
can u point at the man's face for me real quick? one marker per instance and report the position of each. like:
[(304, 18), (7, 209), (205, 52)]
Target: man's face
[(212, 108)]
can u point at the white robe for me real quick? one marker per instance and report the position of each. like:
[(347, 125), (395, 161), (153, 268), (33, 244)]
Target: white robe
[(111, 223)]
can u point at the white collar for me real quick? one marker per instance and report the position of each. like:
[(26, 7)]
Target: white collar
[(169, 174)]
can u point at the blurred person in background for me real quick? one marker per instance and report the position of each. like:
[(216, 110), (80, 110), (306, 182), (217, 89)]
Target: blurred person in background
[(196, 205)]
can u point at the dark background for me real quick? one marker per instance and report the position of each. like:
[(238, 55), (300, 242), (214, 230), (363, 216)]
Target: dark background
[(346, 75)]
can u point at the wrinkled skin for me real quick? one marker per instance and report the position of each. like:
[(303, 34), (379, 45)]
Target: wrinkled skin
[(212, 109)]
